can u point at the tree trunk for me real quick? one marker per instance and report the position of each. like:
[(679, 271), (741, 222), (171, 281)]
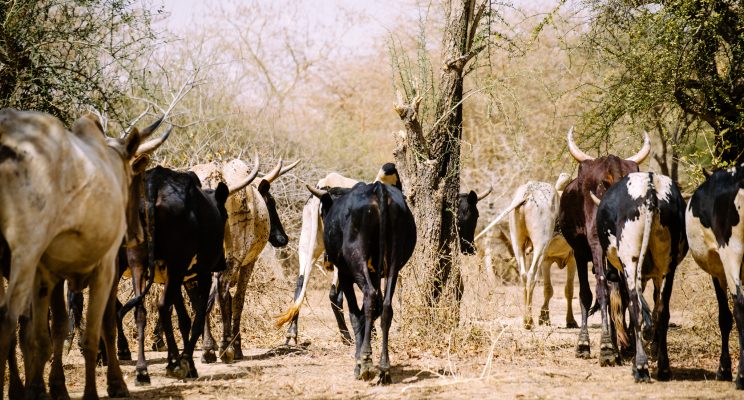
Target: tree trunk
[(430, 162)]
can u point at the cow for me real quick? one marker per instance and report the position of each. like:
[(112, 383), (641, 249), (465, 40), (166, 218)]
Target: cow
[(186, 222), (252, 222), (715, 233), (577, 222), (533, 212), (66, 200), (369, 234), (641, 224), (311, 247)]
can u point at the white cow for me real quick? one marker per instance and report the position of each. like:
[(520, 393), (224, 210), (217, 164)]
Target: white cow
[(532, 223)]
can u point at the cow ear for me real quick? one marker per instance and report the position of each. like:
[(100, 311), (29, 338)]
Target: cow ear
[(472, 198), (326, 201), (263, 187), (140, 164), (132, 142), (221, 193)]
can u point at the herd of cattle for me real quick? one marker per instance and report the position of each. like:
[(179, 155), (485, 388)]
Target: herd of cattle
[(80, 209)]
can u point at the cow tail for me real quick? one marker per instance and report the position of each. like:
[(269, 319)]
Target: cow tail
[(383, 262), (652, 207), (150, 197), (515, 203), (617, 314)]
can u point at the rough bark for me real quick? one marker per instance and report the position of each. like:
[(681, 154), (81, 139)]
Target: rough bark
[(429, 162)]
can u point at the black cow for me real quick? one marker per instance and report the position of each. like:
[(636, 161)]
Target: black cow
[(369, 234), (715, 233), (576, 220), (467, 219), (184, 221), (640, 223)]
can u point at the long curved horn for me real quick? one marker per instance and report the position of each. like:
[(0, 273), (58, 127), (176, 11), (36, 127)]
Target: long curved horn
[(575, 151), (289, 167), (316, 192), (482, 196), (247, 181), (595, 199), (274, 173), (145, 133), (151, 145), (643, 153)]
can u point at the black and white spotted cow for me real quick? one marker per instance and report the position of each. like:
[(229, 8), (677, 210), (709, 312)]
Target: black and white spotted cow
[(640, 224), (716, 235)]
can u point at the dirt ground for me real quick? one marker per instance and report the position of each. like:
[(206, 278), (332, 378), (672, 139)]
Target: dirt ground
[(518, 363)]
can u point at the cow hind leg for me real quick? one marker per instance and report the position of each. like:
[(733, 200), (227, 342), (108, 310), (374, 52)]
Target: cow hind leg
[(640, 364), (237, 308), (208, 342), (227, 348), (537, 260), (739, 316), (122, 345), (725, 323), (664, 372), (37, 342), (115, 386), (547, 293), (57, 387), (385, 322), (100, 291), (337, 305), (568, 292), (356, 316), (583, 346), (168, 298)]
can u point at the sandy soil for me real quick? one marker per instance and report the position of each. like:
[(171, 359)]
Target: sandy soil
[(519, 364)]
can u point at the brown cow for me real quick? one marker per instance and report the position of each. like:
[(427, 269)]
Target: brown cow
[(577, 221)]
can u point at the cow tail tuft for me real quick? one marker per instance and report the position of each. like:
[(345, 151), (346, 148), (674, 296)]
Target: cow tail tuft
[(617, 315), (287, 316)]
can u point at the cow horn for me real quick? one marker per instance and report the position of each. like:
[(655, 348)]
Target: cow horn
[(574, 150), (274, 173), (145, 133), (643, 153), (150, 146), (248, 180), (289, 167), (595, 199), (482, 196), (315, 191)]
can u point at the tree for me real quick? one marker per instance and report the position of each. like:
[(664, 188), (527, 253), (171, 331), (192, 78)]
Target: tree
[(429, 160), (683, 53), (62, 56)]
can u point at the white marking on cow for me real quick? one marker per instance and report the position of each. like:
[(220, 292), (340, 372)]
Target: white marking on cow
[(663, 186), (637, 185)]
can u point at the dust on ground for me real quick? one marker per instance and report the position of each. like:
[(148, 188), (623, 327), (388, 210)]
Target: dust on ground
[(517, 364)]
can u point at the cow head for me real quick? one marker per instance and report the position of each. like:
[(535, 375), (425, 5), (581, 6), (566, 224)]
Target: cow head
[(596, 175), (467, 219), (134, 154), (277, 237), (389, 174)]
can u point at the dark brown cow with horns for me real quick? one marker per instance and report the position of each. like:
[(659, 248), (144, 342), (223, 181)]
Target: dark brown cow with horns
[(577, 221)]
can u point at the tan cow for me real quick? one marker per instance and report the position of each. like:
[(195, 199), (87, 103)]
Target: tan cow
[(252, 222), (63, 215)]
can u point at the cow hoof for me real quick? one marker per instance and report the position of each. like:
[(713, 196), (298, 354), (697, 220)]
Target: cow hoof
[(208, 356), (724, 375), (180, 370), (159, 345), (367, 372), (664, 375), (385, 378), (238, 353), (228, 355), (608, 359), (739, 382), (124, 355), (528, 323), (357, 371), (641, 375), (583, 348), (571, 324), (118, 390), (544, 318), (142, 378)]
